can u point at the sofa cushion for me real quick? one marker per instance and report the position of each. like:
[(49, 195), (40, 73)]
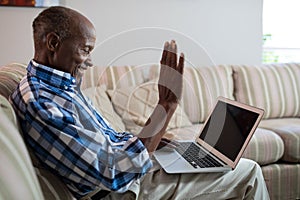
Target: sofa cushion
[(275, 88), (17, 177), (201, 87), (282, 180), (289, 130), (16, 154), (102, 103), (135, 105), (265, 147), (113, 76), (9, 112), (10, 76)]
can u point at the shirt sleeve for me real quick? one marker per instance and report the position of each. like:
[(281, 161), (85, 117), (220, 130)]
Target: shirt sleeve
[(82, 148)]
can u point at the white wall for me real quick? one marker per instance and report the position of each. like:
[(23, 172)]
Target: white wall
[(133, 31)]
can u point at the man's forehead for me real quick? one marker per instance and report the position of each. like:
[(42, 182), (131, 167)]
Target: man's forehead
[(81, 24)]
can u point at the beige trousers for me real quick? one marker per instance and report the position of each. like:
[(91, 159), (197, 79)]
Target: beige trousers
[(245, 182)]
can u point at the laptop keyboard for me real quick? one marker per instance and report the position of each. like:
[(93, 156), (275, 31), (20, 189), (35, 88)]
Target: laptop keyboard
[(196, 156)]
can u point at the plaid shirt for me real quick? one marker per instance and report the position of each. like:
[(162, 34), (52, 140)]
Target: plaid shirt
[(71, 137)]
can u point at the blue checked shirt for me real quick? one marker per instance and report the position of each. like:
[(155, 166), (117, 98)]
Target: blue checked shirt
[(71, 137)]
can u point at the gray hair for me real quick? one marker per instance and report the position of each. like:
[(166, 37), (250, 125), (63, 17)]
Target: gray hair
[(55, 19)]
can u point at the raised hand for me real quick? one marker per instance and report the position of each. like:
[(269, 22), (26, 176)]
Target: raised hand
[(171, 71), (170, 91)]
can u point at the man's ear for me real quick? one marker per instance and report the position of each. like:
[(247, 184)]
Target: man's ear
[(53, 41)]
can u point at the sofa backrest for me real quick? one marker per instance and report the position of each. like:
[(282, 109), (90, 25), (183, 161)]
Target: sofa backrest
[(113, 76), (274, 87), (202, 85)]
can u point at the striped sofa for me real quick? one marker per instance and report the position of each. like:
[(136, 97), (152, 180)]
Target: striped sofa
[(126, 95)]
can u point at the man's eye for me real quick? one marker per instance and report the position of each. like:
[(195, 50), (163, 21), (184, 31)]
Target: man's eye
[(87, 51)]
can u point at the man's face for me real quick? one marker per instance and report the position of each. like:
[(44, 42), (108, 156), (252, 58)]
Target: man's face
[(73, 54)]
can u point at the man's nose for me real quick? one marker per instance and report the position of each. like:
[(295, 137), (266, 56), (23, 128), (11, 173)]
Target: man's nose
[(88, 62)]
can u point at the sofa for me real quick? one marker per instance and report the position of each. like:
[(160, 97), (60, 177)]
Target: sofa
[(126, 96)]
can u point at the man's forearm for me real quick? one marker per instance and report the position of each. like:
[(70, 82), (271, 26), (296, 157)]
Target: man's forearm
[(156, 125)]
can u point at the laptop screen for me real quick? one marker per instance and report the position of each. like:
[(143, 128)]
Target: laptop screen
[(228, 127)]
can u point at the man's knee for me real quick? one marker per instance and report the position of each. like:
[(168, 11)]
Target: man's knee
[(250, 169)]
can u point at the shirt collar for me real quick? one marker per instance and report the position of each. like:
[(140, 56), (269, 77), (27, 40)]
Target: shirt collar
[(51, 76)]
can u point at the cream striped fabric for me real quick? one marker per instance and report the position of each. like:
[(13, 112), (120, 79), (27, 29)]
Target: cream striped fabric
[(10, 76), (201, 87), (17, 177), (275, 88), (282, 181), (113, 76), (265, 147)]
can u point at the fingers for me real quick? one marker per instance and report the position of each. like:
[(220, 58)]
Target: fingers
[(173, 54), (181, 63), (169, 56), (164, 54), (171, 143), (171, 71), (166, 143)]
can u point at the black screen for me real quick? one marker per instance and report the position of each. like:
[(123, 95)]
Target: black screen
[(228, 128)]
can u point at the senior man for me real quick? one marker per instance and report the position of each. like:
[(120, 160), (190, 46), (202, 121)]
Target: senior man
[(74, 142)]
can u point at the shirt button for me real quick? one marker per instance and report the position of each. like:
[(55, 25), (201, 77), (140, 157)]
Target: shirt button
[(73, 80), (66, 87)]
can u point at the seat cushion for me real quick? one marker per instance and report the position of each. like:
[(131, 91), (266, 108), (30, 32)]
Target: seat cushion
[(289, 130), (282, 180), (265, 147)]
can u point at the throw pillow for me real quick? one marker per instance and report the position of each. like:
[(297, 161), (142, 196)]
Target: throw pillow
[(135, 105), (103, 105)]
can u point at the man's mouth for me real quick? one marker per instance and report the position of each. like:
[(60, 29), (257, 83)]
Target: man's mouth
[(85, 65), (82, 67), (79, 71)]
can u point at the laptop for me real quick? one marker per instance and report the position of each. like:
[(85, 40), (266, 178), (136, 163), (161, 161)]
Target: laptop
[(220, 143)]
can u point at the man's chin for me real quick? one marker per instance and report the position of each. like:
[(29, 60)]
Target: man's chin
[(80, 74)]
